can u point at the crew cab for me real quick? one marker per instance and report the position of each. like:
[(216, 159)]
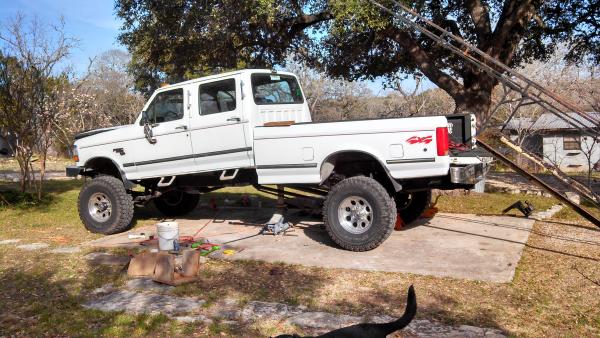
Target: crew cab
[(253, 127)]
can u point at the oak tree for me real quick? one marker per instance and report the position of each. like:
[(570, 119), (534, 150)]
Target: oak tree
[(180, 39)]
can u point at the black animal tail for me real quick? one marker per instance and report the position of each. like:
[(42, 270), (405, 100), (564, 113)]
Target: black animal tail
[(407, 317)]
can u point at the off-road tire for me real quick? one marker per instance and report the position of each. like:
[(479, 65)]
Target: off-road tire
[(179, 205), (384, 213), (412, 205), (121, 215)]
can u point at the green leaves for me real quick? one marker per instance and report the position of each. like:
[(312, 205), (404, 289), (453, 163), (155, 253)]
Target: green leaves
[(354, 39), (357, 16)]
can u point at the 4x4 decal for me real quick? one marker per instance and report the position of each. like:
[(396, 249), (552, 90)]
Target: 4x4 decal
[(417, 139)]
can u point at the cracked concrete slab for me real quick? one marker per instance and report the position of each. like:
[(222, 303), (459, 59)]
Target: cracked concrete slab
[(463, 246), (66, 250), (147, 284), (191, 309), (104, 258), (9, 241), (138, 302), (33, 246)]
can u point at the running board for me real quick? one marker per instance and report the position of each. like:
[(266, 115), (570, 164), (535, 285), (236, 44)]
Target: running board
[(584, 213)]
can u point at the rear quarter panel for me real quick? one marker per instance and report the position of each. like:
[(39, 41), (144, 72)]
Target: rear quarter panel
[(294, 154)]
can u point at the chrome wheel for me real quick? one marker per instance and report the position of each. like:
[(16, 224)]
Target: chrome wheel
[(99, 207), (355, 214)]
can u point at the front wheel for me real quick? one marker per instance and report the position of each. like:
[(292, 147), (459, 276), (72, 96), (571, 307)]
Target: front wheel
[(104, 206), (176, 203), (359, 214)]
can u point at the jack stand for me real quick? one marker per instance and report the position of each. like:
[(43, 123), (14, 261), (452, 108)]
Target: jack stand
[(281, 199), (276, 225)]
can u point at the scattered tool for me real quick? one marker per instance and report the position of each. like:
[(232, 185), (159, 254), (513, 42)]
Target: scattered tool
[(276, 225), (137, 236), (526, 208), (207, 251)]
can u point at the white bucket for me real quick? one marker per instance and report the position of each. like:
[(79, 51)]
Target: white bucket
[(167, 233)]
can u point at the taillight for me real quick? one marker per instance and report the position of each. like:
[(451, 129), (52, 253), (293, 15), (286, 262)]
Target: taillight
[(442, 140)]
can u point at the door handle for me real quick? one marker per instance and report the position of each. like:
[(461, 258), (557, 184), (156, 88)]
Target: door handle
[(234, 119), (181, 127)]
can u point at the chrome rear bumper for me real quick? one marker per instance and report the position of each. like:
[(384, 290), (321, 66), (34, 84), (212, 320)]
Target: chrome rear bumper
[(467, 174)]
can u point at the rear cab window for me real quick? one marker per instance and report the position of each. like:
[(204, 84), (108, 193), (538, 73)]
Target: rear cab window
[(275, 89)]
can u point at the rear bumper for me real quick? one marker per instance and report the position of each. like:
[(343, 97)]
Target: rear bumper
[(74, 171), (467, 174)]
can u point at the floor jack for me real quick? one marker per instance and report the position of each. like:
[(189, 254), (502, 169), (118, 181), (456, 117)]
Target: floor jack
[(277, 225)]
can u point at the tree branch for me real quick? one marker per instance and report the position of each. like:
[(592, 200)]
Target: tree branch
[(510, 29), (301, 22), (481, 19), (425, 64)]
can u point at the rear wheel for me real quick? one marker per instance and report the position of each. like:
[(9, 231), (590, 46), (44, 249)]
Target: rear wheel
[(359, 214), (176, 203), (105, 206), (412, 205)]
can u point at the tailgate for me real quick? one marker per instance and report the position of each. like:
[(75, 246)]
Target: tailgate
[(462, 128)]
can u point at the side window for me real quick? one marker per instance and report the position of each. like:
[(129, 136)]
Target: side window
[(166, 106), (217, 97)]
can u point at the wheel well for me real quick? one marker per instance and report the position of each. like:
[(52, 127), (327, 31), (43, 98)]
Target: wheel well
[(103, 165), (356, 163)]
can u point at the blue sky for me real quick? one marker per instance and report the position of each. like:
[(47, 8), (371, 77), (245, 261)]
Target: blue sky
[(95, 25)]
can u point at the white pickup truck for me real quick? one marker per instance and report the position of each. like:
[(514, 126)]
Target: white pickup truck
[(253, 127)]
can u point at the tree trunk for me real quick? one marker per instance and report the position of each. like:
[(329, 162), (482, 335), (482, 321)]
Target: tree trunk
[(476, 97)]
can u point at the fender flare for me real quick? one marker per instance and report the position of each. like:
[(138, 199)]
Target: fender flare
[(327, 167), (128, 184)]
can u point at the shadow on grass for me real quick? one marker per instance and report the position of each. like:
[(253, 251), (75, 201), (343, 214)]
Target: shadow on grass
[(37, 304), (52, 189)]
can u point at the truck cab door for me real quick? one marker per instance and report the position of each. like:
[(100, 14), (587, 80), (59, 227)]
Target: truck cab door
[(217, 129), (165, 148)]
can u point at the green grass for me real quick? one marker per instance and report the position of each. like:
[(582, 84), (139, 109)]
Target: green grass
[(490, 204), (52, 164), (42, 292)]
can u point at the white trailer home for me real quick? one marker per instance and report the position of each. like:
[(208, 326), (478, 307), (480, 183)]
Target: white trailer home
[(557, 142)]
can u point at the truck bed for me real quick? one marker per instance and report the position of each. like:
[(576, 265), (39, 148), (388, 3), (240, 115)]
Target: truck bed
[(294, 154)]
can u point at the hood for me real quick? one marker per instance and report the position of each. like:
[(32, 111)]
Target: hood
[(104, 135), (94, 132)]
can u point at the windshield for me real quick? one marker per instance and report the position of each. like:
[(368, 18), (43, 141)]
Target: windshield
[(276, 89)]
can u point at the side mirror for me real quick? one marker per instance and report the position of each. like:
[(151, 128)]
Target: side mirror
[(145, 118), (148, 128)]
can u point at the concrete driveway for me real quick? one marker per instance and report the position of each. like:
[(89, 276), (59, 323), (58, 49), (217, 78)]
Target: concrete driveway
[(472, 247)]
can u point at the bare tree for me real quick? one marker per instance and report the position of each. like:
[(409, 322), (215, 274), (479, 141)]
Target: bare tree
[(589, 148), (113, 87), (329, 98), (31, 57), (102, 97)]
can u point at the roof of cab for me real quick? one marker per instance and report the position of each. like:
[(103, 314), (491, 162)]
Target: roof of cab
[(220, 75)]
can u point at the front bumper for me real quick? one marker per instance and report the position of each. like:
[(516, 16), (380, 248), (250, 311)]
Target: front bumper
[(467, 174), (74, 171)]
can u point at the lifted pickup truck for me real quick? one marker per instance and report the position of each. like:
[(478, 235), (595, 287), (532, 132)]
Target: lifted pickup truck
[(253, 127)]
